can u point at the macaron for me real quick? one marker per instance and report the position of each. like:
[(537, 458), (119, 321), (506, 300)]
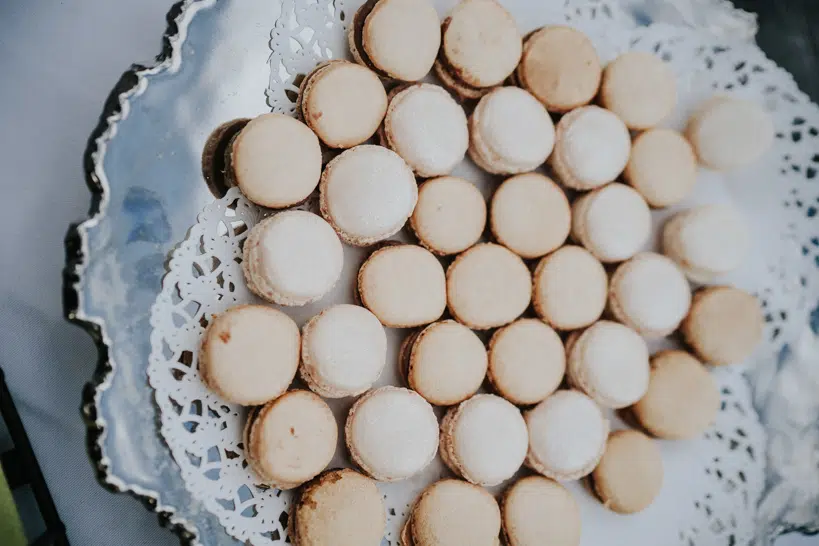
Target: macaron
[(662, 167), (612, 222), (682, 400), (567, 436), (560, 67), (484, 439), (343, 103), (340, 507), (630, 474), (570, 288), (292, 258), (650, 294), (724, 326), (510, 132), (527, 361), (427, 128), (530, 215), (609, 362), (445, 362), (453, 512), (367, 194), (592, 147), (403, 285), (275, 160), (488, 286), (392, 433), (460, 90), (249, 354), (640, 88), (291, 439), (450, 215), (536, 510), (343, 351), (730, 133), (397, 39), (707, 241)]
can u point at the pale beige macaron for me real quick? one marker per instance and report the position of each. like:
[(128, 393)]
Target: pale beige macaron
[(291, 439), (403, 285), (650, 294), (367, 194), (729, 133), (724, 326), (530, 215), (343, 103), (560, 67), (392, 433), (527, 361), (662, 167), (249, 354), (640, 88), (570, 288), (461, 91), (612, 222), (682, 400), (453, 512), (630, 474), (445, 362), (450, 215), (340, 507), (536, 511), (592, 147), (488, 286)]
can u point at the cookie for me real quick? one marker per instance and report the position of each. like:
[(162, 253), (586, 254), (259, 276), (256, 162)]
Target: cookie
[(640, 88), (510, 132), (249, 354), (445, 362), (291, 439), (488, 286), (592, 148), (570, 288), (343, 351), (567, 435), (530, 215), (724, 326), (450, 215), (682, 399), (630, 474), (536, 511), (612, 222), (392, 433), (292, 258), (484, 439), (526, 361), (650, 294), (662, 167), (403, 285), (461, 91), (367, 194)]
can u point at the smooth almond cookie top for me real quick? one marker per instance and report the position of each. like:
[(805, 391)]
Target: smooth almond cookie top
[(662, 167), (640, 88), (537, 510), (450, 215)]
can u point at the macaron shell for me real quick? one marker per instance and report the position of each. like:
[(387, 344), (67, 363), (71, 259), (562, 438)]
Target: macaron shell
[(662, 167), (450, 215), (537, 511), (454, 512), (640, 88), (461, 90)]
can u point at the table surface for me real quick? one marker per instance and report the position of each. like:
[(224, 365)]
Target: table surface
[(58, 61)]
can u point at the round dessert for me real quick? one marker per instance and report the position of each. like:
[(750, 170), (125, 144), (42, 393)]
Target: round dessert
[(488, 286), (392, 433), (249, 354), (567, 435), (536, 511), (650, 294), (640, 88), (291, 439), (367, 194), (292, 258), (662, 167), (450, 215), (484, 439), (403, 285), (343, 351), (570, 288), (527, 361), (459, 89), (445, 362), (530, 215)]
